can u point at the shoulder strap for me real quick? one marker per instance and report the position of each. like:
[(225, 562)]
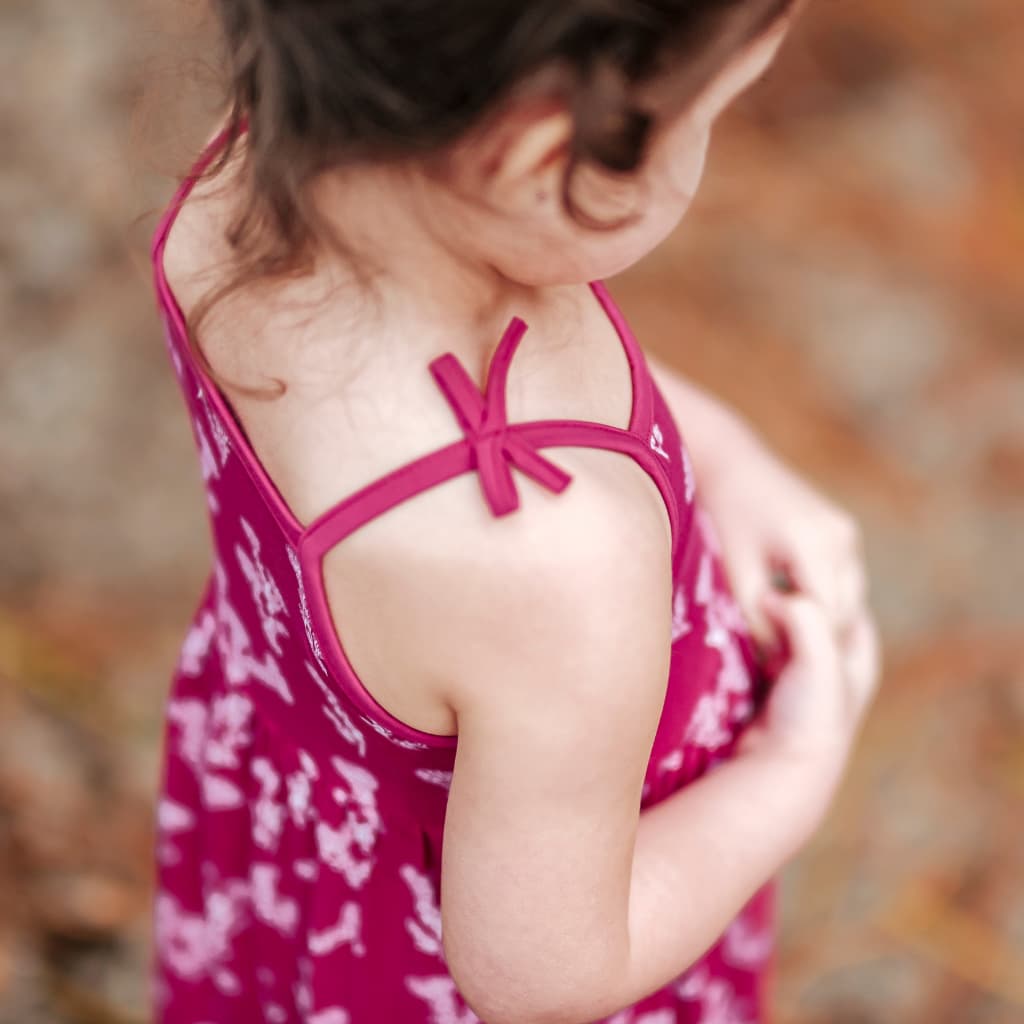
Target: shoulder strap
[(492, 446), (166, 222)]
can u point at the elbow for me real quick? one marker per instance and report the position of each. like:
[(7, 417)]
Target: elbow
[(510, 1000), (514, 1010)]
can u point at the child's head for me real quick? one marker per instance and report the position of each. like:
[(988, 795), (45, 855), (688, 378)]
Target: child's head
[(561, 139)]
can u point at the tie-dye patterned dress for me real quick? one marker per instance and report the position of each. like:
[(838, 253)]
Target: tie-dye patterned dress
[(300, 824)]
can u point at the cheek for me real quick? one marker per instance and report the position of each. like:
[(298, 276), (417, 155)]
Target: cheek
[(678, 160), (605, 254)]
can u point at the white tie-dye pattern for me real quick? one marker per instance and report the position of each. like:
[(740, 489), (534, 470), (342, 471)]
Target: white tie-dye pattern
[(209, 740), (384, 731), (689, 477), (692, 984), (303, 987), (265, 593), (657, 1017), (267, 810), (187, 718), (722, 1006), (307, 622), (657, 441), (276, 1014), (745, 946), (347, 729), (307, 870), (331, 1015), (234, 645), (221, 794), (220, 436), (198, 644), (718, 1001), (728, 621), (680, 623), (300, 790), (707, 727), (207, 466), (347, 932), (650, 1017), (270, 906), (174, 817), (425, 927), (228, 730), (729, 703), (442, 999), (194, 946), (172, 820), (436, 776), (348, 848), (708, 533), (227, 981)]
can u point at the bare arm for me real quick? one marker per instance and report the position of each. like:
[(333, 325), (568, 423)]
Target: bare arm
[(561, 902), (701, 854)]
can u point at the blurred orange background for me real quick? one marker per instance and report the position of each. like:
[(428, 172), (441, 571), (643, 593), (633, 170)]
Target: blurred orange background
[(851, 278)]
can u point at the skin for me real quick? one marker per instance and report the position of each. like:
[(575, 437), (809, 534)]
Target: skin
[(493, 226), (493, 232), (555, 676), (496, 237)]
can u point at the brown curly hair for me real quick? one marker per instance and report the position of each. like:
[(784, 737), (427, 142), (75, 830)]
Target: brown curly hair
[(317, 84)]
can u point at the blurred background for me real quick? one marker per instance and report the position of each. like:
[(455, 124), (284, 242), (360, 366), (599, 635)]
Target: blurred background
[(851, 278)]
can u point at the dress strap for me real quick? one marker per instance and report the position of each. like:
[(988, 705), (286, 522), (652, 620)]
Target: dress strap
[(484, 420)]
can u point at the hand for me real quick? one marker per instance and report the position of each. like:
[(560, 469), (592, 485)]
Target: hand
[(821, 694), (777, 532)]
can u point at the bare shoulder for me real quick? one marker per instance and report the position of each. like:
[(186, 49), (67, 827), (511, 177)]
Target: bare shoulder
[(197, 254), (440, 605)]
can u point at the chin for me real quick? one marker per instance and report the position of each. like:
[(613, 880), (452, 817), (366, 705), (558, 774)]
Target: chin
[(594, 255), (624, 256)]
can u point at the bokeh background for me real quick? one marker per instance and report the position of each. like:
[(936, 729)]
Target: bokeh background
[(851, 278)]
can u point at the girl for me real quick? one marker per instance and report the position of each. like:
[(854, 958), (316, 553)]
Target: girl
[(440, 742)]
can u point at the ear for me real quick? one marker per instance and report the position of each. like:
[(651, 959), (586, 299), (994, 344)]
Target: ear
[(524, 147), (533, 146)]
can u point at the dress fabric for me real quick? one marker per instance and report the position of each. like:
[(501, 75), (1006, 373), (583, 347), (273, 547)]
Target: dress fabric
[(299, 825)]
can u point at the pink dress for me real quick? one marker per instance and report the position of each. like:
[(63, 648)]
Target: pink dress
[(299, 823)]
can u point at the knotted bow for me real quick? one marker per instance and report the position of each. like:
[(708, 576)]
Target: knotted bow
[(495, 447)]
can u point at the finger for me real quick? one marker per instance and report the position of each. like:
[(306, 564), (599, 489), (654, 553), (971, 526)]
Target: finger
[(806, 629), (861, 653), (781, 580), (816, 577), (763, 630), (852, 592)]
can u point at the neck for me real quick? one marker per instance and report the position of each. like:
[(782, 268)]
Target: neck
[(416, 239)]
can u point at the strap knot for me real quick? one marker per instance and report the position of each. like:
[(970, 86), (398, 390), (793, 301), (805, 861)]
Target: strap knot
[(495, 447)]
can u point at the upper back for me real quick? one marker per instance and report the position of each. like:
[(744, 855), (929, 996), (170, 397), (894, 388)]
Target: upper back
[(358, 401), (353, 410)]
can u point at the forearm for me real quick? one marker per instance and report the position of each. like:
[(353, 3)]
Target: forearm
[(699, 857)]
